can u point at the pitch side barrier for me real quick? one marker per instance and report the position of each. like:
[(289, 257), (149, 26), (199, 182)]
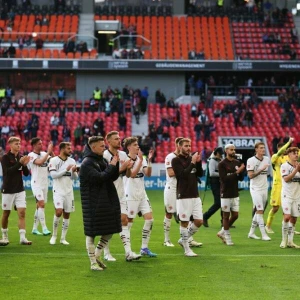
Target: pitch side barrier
[(151, 183)]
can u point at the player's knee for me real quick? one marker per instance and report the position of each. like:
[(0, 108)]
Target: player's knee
[(58, 212), (41, 204), (21, 214), (198, 223), (169, 215), (124, 220)]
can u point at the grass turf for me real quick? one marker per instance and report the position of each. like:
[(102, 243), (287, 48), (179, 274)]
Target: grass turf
[(248, 270)]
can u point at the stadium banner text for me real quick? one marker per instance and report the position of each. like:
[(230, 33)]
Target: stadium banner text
[(151, 183), (149, 65)]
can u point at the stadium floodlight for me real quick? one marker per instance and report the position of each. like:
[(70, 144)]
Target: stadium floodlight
[(294, 11), (298, 6), (107, 32)]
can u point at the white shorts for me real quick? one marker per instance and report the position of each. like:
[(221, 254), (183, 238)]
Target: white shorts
[(40, 193), (134, 207), (65, 202), (170, 199), (124, 206), (230, 204), (259, 198), (290, 206), (189, 207), (17, 199)]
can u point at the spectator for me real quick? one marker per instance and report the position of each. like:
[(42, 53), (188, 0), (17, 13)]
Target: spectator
[(136, 113), (192, 54), (62, 114), (9, 25), (166, 135), (116, 54), (201, 55), (160, 98), (93, 105), (159, 132), (71, 46), (78, 135), (45, 21), (291, 117), (12, 51), (122, 122), (174, 122), (165, 122), (66, 133), (28, 39), (191, 84), (139, 54), (217, 112), (194, 110), (275, 142), (38, 20), (171, 103), (198, 129), (5, 130), (248, 117), (61, 94), (202, 118), (10, 111), (9, 93), (34, 125), (199, 86), (54, 120), (4, 106), (39, 43), (153, 136), (144, 99), (209, 100), (98, 127), (21, 42), (207, 129)]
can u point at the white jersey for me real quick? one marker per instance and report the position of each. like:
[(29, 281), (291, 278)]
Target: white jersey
[(135, 187), (39, 174), (171, 181), (290, 189), (119, 184), (63, 184), (259, 182)]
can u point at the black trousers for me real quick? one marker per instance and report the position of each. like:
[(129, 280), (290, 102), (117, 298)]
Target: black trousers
[(215, 187)]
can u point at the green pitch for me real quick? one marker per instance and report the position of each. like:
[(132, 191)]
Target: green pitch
[(249, 270)]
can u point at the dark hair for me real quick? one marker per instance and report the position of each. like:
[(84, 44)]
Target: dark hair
[(291, 149), (34, 141), (130, 140), (279, 145), (63, 145), (95, 139), (184, 140), (178, 139)]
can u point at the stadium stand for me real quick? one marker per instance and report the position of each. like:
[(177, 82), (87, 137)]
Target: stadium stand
[(267, 110)]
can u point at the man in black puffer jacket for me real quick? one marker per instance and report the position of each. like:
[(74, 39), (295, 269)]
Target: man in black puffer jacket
[(99, 198)]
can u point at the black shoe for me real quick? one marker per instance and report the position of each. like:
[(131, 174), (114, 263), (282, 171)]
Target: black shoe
[(205, 224), (232, 226)]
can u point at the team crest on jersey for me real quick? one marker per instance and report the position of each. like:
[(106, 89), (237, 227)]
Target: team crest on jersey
[(273, 201), (131, 212), (57, 203), (236, 167), (39, 196), (258, 206), (183, 215), (225, 207), (286, 209), (283, 171), (168, 163), (170, 207), (4, 205)]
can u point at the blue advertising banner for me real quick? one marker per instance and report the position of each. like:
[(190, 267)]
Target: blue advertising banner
[(151, 183)]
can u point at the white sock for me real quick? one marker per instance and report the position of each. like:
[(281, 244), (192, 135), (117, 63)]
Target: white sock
[(22, 233), (192, 229), (129, 225), (101, 244), (106, 249), (261, 224), (41, 217), (285, 228), (184, 234), (56, 221), (35, 220), (125, 237), (167, 227), (4, 233), (90, 247), (291, 230), (253, 224), (65, 227), (146, 233)]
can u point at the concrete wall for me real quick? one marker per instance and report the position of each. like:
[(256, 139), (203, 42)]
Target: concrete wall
[(171, 84)]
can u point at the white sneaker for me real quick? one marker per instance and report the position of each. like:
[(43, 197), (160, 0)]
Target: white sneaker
[(228, 240), (253, 236), (109, 257), (130, 256), (168, 244), (193, 243), (266, 238), (268, 229), (293, 245), (190, 253), (297, 232), (53, 240), (96, 267), (221, 235), (283, 244), (64, 242)]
